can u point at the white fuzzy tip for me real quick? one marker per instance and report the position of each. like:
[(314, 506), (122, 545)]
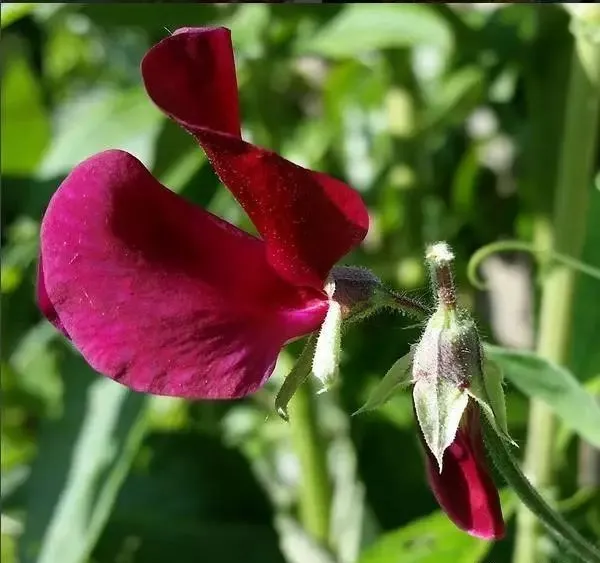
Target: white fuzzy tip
[(440, 253)]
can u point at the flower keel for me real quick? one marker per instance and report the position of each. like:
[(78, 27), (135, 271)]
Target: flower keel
[(464, 488)]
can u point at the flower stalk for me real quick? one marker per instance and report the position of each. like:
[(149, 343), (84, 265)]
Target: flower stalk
[(568, 234), (315, 485), (508, 466)]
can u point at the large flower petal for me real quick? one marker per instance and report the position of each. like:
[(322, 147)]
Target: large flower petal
[(159, 294), (43, 300), (309, 220), (464, 488)]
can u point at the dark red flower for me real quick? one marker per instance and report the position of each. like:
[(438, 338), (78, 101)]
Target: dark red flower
[(163, 296), (464, 488)]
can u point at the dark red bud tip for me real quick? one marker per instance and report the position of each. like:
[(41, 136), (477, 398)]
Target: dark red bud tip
[(464, 489)]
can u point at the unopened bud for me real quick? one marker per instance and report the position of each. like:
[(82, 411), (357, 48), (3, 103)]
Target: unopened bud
[(449, 349), (448, 365), (446, 359)]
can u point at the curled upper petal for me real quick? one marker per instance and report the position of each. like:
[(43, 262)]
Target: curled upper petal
[(197, 78), (159, 294), (464, 488), (308, 220)]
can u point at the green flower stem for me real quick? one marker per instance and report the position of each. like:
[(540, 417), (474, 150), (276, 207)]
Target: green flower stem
[(568, 233), (508, 466), (315, 484), (405, 304)]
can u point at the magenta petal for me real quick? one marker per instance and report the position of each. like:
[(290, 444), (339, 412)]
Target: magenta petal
[(309, 220), (197, 78), (44, 302), (159, 294), (465, 489)]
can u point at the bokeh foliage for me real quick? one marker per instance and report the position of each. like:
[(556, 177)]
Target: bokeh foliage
[(447, 120)]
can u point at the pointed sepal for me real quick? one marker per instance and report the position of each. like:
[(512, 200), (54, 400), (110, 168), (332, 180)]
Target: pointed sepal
[(297, 376), (488, 392), (439, 405), (397, 378), (326, 361)]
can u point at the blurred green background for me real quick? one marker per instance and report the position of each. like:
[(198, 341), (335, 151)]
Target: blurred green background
[(447, 118)]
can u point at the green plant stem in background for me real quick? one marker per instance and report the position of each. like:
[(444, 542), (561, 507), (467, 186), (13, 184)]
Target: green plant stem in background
[(510, 245), (315, 485), (568, 232), (532, 501)]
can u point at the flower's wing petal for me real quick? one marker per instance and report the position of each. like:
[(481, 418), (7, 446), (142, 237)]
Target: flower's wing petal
[(309, 220), (464, 488), (159, 294)]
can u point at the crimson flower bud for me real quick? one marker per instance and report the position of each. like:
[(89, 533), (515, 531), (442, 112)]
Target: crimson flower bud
[(449, 387), (453, 384)]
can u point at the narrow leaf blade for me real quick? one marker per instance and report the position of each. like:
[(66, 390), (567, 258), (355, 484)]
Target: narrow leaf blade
[(83, 459)]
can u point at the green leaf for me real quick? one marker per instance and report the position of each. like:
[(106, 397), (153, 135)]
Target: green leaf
[(178, 156), (159, 18), (83, 458), (397, 377), (366, 27), (18, 252), (25, 129), (10, 13), (34, 362), (432, 539), (191, 493), (553, 384), (455, 98), (125, 120)]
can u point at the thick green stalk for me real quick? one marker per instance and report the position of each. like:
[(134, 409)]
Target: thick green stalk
[(568, 232), (564, 533), (315, 485)]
